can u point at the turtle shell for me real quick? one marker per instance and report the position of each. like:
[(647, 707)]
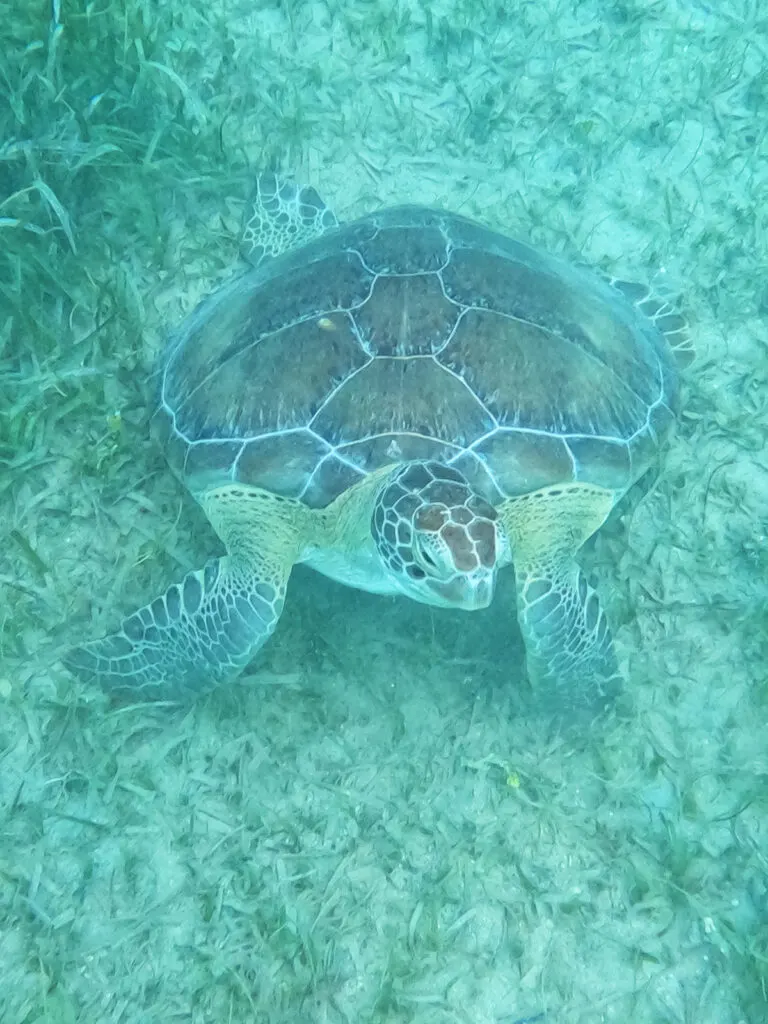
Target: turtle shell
[(416, 334)]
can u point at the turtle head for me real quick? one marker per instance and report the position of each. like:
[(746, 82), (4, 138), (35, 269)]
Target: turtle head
[(437, 537)]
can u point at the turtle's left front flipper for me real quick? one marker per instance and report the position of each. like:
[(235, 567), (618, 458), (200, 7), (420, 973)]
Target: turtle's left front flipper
[(206, 629), (569, 648)]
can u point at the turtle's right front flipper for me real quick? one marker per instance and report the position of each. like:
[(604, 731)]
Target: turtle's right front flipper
[(206, 629), (202, 632)]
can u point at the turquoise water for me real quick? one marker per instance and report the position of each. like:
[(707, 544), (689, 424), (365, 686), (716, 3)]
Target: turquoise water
[(370, 827)]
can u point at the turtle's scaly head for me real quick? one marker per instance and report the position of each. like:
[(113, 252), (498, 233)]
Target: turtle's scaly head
[(437, 537)]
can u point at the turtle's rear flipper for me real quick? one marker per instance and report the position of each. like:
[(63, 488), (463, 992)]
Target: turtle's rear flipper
[(281, 216), (202, 632)]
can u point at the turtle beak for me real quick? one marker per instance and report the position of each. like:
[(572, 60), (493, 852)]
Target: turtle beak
[(468, 591)]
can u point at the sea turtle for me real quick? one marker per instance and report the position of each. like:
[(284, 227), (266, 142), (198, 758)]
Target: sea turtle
[(406, 403)]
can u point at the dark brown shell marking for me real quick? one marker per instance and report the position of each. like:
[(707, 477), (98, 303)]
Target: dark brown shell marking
[(415, 334)]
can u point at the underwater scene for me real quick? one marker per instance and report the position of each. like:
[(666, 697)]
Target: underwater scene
[(384, 524)]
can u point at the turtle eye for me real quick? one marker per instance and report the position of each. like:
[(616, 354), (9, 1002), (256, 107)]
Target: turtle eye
[(431, 562)]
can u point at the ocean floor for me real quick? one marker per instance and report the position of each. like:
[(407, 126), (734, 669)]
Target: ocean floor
[(368, 828)]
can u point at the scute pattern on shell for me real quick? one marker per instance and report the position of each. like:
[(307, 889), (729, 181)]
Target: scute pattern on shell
[(415, 334)]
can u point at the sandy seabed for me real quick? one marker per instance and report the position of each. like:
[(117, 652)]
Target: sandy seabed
[(368, 828)]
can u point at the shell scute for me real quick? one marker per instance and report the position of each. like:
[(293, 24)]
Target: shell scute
[(415, 334)]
